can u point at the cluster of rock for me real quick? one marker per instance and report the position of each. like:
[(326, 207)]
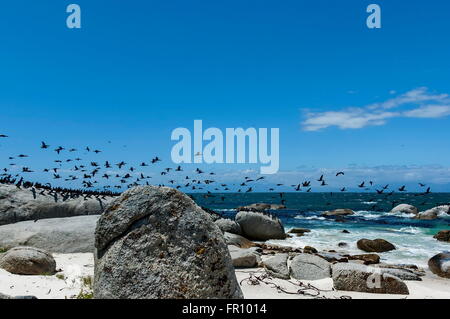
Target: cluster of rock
[(429, 214)]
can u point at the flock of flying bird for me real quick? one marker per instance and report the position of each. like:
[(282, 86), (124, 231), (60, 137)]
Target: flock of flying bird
[(110, 179)]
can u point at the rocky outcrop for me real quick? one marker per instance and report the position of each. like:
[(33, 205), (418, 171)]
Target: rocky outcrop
[(57, 235), (260, 207), (405, 208), (309, 267), (430, 214), (229, 226), (28, 261), (259, 226), (443, 235), (277, 266), (433, 213), (440, 265), (375, 246), (338, 212), (360, 278), (156, 243), (18, 205)]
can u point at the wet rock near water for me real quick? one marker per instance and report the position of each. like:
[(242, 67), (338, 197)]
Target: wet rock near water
[(376, 246), (338, 213), (443, 235)]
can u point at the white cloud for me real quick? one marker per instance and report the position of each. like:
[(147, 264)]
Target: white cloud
[(429, 111), (419, 103)]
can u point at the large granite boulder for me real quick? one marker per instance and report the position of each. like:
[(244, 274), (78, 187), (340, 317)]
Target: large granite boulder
[(360, 278), (405, 208), (443, 235), (440, 265), (18, 205), (229, 226), (28, 261), (375, 246), (156, 243), (309, 267), (338, 212), (57, 235), (259, 226), (277, 266)]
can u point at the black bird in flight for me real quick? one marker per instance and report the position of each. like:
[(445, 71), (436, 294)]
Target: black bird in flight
[(340, 173), (44, 146), (402, 189), (3, 135)]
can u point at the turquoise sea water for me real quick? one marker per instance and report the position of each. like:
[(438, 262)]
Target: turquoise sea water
[(413, 238)]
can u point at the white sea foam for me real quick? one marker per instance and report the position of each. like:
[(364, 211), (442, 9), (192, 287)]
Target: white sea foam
[(414, 245)]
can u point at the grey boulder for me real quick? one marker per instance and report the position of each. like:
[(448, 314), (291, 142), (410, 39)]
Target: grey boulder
[(360, 278), (244, 258), (443, 235), (28, 261), (57, 235), (277, 266), (229, 226), (18, 205), (259, 226), (156, 243), (309, 267)]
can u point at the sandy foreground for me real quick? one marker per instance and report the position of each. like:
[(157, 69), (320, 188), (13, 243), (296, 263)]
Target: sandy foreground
[(76, 271)]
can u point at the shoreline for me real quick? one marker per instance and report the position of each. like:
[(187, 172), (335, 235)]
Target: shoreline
[(76, 267)]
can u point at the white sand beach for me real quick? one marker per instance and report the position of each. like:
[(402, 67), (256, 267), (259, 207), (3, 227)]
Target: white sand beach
[(75, 273)]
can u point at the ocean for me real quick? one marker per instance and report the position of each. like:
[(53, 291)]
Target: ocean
[(413, 238)]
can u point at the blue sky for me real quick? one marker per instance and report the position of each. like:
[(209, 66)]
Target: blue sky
[(137, 70)]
